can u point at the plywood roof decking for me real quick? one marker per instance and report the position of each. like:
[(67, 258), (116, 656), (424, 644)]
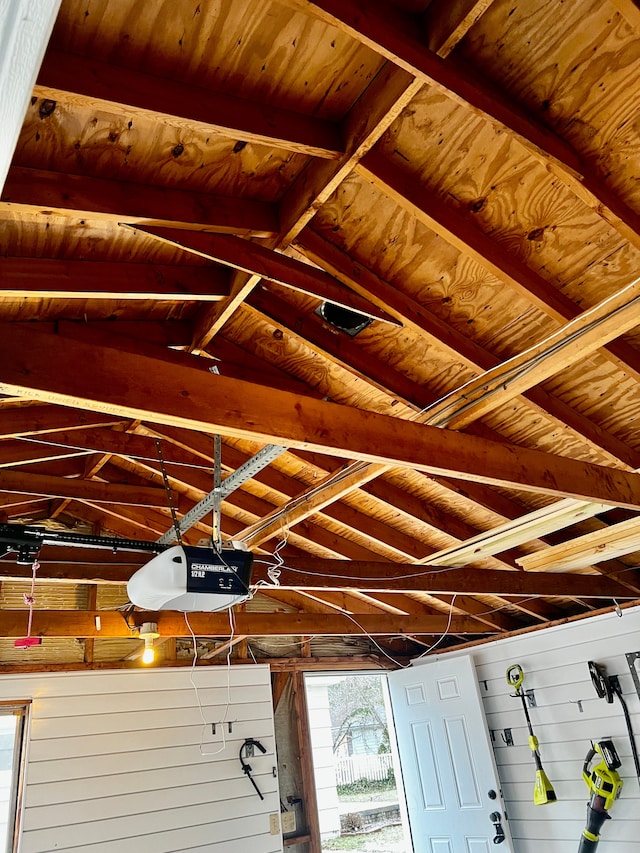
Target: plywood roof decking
[(469, 174)]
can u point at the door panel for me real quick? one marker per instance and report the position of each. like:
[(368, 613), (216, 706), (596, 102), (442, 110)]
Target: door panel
[(447, 761), (462, 763), (427, 766), (477, 845)]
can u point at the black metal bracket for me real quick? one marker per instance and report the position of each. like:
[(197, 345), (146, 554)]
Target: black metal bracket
[(507, 737), (633, 659), (246, 768)]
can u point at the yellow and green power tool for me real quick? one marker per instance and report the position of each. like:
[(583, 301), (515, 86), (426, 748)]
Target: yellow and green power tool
[(543, 792), (605, 785)]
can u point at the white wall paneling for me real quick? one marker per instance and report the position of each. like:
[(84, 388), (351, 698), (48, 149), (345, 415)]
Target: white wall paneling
[(555, 666), (114, 761)]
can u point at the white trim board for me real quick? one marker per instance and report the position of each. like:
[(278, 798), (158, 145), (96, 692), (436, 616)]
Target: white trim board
[(25, 28)]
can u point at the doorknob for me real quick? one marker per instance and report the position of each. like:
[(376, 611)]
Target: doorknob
[(496, 820)]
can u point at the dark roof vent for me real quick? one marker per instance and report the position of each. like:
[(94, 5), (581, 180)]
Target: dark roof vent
[(341, 318)]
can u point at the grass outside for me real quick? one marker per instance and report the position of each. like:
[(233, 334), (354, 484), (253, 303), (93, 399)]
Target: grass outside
[(388, 795), (387, 840), (358, 797)]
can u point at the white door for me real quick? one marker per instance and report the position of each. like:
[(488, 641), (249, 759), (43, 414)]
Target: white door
[(450, 779)]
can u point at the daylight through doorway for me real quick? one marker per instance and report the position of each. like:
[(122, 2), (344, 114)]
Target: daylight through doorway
[(358, 786)]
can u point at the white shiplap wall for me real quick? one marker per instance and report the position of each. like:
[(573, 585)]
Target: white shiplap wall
[(555, 666), (114, 761)]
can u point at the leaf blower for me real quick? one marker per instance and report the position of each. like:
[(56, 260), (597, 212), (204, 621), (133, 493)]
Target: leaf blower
[(605, 784), (543, 792)]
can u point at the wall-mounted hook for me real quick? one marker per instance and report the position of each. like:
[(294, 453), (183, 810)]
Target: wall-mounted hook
[(577, 702), (507, 737)]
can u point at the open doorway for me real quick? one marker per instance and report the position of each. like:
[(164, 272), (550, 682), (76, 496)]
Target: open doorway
[(358, 787)]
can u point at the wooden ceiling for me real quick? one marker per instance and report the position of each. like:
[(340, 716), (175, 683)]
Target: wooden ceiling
[(194, 180)]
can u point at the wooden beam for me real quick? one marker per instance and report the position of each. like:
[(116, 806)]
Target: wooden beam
[(42, 419), (349, 355), (524, 528), (215, 317), (405, 547), (469, 606), (128, 93), (278, 683), (316, 575), (326, 663), (371, 115), (467, 238), (305, 759), (144, 521), (461, 347), (576, 340), (21, 452), (89, 642), (301, 573), (332, 601), (76, 623), (108, 519), (119, 201), (104, 440), (55, 369), (377, 108), (25, 27), (398, 544), (226, 646), (22, 278), (268, 264), (629, 10), (394, 35), (64, 487), (18, 504), (162, 333), (616, 540), (484, 394), (446, 22)]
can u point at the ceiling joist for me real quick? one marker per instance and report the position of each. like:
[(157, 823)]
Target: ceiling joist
[(47, 367), (30, 191), (128, 94)]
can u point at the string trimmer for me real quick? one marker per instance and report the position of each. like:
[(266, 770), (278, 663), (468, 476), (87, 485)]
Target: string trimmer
[(543, 792)]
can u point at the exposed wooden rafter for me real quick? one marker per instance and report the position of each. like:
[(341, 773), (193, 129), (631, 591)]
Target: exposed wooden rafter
[(315, 575), (23, 278), (99, 199), (125, 93), (75, 623), (393, 34), (48, 370)]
